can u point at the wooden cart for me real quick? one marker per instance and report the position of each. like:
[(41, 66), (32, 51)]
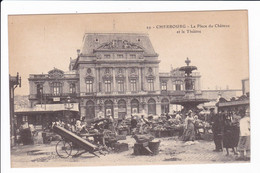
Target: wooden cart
[(71, 144)]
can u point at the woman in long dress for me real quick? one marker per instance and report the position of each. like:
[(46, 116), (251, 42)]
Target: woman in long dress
[(189, 132), (230, 134)]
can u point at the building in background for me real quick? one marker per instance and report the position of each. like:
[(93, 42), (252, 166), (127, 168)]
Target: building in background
[(245, 87), (237, 105), (113, 75), (52, 96)]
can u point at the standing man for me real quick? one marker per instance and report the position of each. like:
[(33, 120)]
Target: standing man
[(216, 129), (133, 125)]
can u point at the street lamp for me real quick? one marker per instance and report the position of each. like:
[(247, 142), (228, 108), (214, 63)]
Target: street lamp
[(14, 81), (68, 105)]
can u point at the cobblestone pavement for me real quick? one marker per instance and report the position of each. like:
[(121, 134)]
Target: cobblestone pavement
[(172, 151)]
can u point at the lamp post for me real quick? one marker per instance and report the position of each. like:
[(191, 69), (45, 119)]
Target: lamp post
[(68, 105), (14, 81)]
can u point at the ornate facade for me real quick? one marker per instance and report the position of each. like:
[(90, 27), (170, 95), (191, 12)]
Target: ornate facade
[(114, 74)]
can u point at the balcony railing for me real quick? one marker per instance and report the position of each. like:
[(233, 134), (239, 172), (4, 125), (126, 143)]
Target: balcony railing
[(42, 76), (174, 93), (87, 94)]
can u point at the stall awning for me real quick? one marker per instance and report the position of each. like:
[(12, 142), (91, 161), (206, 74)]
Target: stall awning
[(47, 108)]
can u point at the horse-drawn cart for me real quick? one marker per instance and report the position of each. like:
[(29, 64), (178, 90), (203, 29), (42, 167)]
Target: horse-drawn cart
[(71, 144)]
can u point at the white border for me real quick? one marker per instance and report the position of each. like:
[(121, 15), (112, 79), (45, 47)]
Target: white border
[(29, 7)]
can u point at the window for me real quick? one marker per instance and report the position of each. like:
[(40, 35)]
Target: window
[(56, 88), (178, 86), (164, 86), (150, 85), (107, 86), (120, 56), (25, 118), (89, 86), (132, 56), (174, 87), (107, 71), (133, 85), (39, 90), (72, 88), (120, 85), (107, 56)]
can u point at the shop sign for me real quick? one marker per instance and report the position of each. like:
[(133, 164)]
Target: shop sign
[(56, 99)]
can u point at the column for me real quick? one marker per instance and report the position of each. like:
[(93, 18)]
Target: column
[(126, 78), (158, 107), (142, 83), (96, 80), (114, 80), (82, 111), (99, 81), (143, 80), (140, 80), (115, 109), (128, 106)]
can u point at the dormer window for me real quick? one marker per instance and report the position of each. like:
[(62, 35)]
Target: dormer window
[(120, 56), (107, 56), (132, 56), (88, 70)]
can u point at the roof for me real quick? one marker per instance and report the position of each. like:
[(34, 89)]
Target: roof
[(93, 41), (46, 108)]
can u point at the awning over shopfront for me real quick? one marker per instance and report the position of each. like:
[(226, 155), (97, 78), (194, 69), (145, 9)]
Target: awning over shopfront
[(44, 108)]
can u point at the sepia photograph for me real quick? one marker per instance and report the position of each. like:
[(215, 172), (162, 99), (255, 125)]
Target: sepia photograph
[(124, 89)]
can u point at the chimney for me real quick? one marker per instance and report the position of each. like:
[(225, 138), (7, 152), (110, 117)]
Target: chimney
[(78, 51)]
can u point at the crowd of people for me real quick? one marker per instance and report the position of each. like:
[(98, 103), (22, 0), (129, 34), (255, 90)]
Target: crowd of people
[(231, 130)]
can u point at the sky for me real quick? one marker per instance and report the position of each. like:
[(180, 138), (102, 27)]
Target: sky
[(38, 43)]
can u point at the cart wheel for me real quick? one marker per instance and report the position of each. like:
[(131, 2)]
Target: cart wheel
[(63, 149), (74, 149)]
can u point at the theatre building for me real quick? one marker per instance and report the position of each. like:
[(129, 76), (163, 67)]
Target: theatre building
[(118, 75), (114, 74)]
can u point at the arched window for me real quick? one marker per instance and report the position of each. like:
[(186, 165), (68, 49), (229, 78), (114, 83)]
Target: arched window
[(109, 108), (134, 106), (151, 106), (90, 109), (165, 105), (121, 109)]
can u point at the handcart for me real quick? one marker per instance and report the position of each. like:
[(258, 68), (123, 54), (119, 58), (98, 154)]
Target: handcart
[(71, 144)]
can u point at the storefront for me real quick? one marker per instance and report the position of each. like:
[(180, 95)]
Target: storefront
[(234, 105), (42, 116)]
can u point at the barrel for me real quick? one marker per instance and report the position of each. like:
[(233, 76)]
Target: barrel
[(154, 146)]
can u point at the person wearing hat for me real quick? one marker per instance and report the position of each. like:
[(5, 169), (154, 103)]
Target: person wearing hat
[(217, 130), (133, 124)]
